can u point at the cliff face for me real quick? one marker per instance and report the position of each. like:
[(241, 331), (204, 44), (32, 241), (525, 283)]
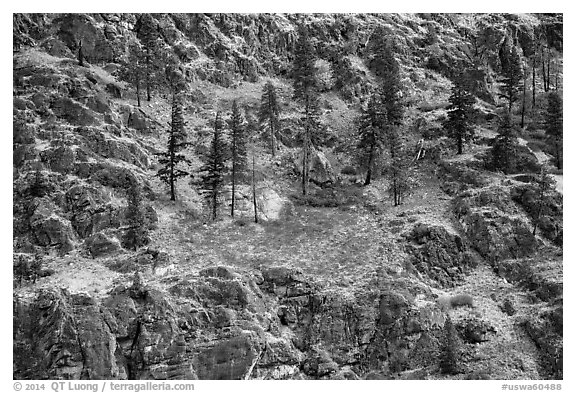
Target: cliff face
[(342, 290)]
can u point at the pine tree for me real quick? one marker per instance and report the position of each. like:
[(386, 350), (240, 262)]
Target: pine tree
[(503, 150), (133, 70), (269, 114), (213, 169), (382, 61), (81, 57), (449, 352), (401, 181), (239, 155), (371, 130), (306, 92), (460, 111), (39, 186), (553, 124), (512, 73), (544, 184), (171, 158), (304, 71), (149, 36), (311, 135), (137, 233)]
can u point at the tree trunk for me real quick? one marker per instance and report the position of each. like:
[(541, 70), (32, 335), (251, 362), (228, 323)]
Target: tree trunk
[(214, 204), (544, 71), (523, 103), (233, 184), (305, 165), (558, 159), (548, 71), (138, 91), (460, 143), (272, 137), (254, 190), (370, 165), (148, 95), (534, 84)]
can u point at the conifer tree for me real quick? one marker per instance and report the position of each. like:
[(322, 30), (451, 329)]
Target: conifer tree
[(400, 180), (306, 93), (269, 114), (238, 148), (382, 61), (460, 111), (304, 71), (544, 184), (213, 169), (172, 157), (311, 135), (512, 73), (449, 352), (149, 36), (553, 125), (371, 130), (133, 70), (39, 186), (503, 150), (81, 57), (137, 233)]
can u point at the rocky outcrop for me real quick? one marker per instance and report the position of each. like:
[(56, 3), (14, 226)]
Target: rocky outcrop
[(222, 324), (493, 224), (546, 211), (438, 254)]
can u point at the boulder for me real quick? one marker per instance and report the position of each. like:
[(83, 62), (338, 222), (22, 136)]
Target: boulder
[(320, 171), (270, 205), (139, 121), (101, 245), (73, 112), (49, 229), (114, 89)]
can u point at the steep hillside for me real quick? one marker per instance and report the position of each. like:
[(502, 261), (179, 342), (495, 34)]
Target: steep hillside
[(337, 284)]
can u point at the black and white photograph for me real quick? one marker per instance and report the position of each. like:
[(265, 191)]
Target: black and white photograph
[(286, 196)]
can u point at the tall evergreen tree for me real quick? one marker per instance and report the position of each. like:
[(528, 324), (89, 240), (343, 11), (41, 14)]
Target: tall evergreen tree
[(133, 70), (503, 150), (544, 184), (81, 57), (512, 73), (213, 169), (311, 135), (460, 111), (172, 157), (400, 180), (371, 135), (238, 148), (449, 354), (382, 61), (269, 114), (553, 124), (149, 36), (136, 234), (306, 92), (304, 71)]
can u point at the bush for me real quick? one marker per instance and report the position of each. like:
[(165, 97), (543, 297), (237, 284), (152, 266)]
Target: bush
[(26, 269), (461, 300), (348, 170)]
